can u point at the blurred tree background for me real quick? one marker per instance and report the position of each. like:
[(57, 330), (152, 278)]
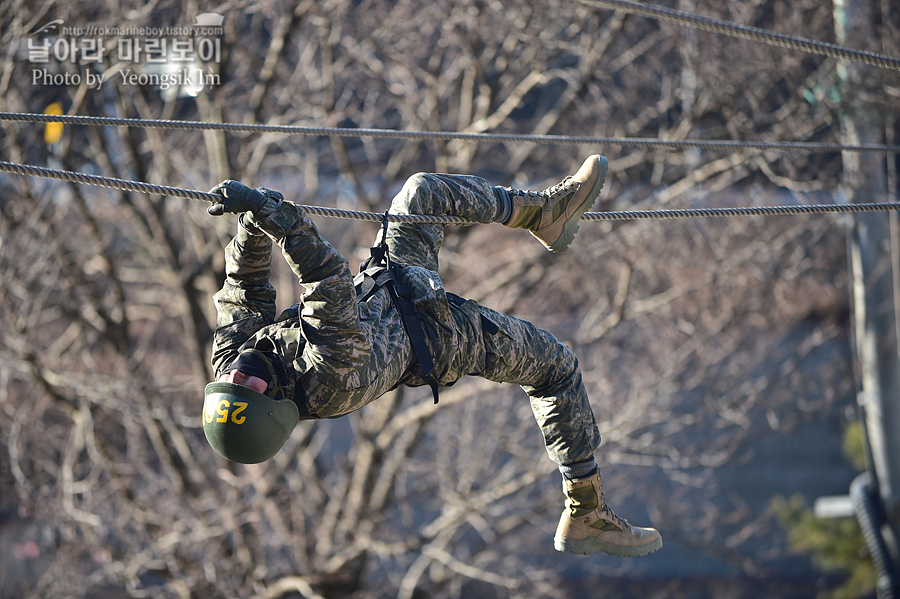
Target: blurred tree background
[(716, 351)]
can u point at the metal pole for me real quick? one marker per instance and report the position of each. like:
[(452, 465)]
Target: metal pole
[(874, 260)]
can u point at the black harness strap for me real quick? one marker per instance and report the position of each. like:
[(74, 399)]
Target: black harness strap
[(379, 271), (486, 325)]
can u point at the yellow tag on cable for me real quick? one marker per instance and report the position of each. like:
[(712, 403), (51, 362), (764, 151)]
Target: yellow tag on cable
[(53, 130)]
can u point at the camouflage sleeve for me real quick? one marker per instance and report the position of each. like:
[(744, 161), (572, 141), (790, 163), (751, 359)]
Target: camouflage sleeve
[(329, 317), (246, 302)]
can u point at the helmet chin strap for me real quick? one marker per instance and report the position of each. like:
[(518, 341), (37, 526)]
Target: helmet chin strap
[(254, 362), (276, 389)]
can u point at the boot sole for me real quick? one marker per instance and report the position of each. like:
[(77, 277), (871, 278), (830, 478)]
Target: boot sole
[(571, 227), (591, 546)]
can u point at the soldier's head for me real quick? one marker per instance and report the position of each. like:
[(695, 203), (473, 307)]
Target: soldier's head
[(247, 414)]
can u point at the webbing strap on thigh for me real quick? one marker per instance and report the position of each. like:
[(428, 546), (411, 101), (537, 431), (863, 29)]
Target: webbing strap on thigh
[(486, 325), (379, 271)]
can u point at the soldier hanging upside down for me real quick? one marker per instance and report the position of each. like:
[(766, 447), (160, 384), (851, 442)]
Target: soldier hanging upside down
[(346, 343)]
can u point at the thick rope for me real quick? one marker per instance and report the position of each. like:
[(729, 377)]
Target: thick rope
[(709, 144), (624, 215), (178, 192), (783, 40)]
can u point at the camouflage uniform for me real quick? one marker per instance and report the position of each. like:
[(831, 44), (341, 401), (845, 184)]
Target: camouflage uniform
[(343, 354)]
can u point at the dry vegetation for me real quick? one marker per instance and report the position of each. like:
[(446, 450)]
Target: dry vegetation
[(696, 337)]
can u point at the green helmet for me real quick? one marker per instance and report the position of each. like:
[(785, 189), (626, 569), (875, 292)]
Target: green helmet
[(245, 426)]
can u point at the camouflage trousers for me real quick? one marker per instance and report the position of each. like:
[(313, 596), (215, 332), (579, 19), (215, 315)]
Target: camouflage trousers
[(519, 353)]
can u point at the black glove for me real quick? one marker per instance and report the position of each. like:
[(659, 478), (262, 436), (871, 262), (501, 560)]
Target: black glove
[(236, 197)]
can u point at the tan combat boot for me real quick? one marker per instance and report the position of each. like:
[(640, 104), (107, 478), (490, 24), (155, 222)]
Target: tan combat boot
[(552, 215), (588, 525)]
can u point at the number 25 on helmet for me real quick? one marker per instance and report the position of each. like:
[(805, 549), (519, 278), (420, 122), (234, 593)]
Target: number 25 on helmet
[(245, 426)]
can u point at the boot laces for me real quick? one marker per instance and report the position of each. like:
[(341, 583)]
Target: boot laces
[(549, 194), (528, 193), (620, 522), (561, 188)]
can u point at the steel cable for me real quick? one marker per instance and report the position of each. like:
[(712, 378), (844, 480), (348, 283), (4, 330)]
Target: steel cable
[(622, 215), (708, 144), (783, 40)]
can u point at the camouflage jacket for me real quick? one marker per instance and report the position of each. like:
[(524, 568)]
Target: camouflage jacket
[(342, 353)]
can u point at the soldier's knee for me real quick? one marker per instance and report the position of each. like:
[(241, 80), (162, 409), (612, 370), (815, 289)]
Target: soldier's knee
[(414, 195), (567, 358), (418, 180)]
